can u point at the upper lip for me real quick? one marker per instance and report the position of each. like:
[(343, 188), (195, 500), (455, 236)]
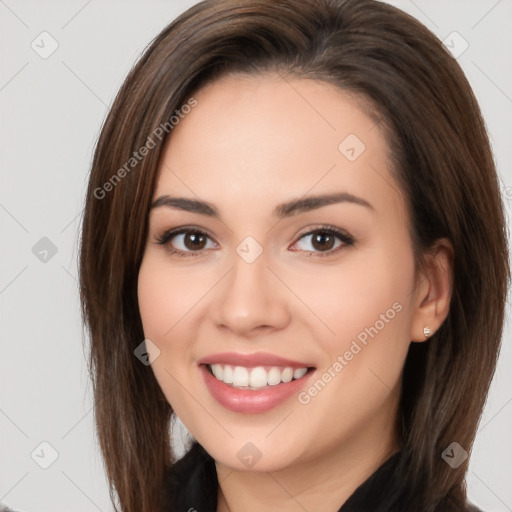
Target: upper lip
[(252, 360)]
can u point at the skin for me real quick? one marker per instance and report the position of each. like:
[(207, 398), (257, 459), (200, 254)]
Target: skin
[(251, 143)]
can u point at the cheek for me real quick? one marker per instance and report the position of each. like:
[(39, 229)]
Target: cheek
[(154, 300), (165, 295), (172, 302), (371, 312), (367, 307), (163, 301), (371, 288)]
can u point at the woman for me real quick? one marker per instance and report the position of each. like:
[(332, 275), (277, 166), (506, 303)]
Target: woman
[(294, 241)]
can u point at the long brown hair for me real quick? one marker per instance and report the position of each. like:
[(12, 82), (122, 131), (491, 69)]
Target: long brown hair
[(441, 158)]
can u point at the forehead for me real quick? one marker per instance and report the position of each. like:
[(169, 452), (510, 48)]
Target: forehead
[(266, 137)]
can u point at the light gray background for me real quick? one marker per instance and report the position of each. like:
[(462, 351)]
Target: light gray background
[(51, 111)]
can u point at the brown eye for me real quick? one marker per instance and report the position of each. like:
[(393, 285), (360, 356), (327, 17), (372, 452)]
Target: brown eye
[(194, 240), (324, 241), (185, 241)]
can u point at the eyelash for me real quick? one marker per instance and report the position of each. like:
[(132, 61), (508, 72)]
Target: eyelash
[(167, 236)]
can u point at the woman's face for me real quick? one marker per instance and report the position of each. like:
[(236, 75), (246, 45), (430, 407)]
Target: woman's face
[(327, 284)]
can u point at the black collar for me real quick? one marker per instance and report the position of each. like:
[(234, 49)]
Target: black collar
[(196, 485)]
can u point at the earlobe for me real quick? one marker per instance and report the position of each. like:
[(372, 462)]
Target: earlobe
[(434, 291)]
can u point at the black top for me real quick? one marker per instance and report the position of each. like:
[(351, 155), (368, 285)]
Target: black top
[(195, 487)]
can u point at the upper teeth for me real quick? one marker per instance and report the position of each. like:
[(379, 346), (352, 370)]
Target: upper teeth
[(255, 378)]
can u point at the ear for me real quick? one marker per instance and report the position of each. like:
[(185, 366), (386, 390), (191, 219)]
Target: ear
[(433, 291)]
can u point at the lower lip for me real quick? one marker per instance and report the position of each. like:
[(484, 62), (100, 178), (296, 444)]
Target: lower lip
[(248, 401)]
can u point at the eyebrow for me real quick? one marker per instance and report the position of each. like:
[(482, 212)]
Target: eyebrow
[(281, 211)]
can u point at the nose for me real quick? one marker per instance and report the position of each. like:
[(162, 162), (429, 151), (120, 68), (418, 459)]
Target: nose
[(251, 300)]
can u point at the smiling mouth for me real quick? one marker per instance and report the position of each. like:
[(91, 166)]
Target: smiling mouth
[(256, 378)]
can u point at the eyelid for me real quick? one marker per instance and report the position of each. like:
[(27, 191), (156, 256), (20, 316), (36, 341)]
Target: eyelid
[(345, 237), (324, 227), (169, 234)]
